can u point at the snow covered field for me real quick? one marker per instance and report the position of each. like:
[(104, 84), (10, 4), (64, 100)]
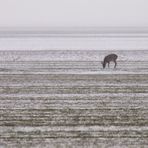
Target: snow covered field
[(64, 98), (72, 62)]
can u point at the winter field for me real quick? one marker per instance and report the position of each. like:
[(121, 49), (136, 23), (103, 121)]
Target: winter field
[(64, 99)]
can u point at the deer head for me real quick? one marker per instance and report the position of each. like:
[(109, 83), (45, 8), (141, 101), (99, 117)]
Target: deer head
[(103, 64)]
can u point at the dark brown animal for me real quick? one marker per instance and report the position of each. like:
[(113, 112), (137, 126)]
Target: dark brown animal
[(108, 59)]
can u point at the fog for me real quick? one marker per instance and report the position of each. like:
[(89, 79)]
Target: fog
[(73, 13)]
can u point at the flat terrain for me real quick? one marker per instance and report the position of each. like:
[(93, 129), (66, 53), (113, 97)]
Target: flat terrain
[(71, 104)]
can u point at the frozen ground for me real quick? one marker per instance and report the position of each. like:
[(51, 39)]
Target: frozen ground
[(72, 62), (65, 99)]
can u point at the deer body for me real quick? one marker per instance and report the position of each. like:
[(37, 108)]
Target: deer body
[(108, 59)]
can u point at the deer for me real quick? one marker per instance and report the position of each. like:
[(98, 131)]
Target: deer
[(108, 59)]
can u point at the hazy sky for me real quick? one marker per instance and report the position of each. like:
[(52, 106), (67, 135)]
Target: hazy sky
[(73, 13)]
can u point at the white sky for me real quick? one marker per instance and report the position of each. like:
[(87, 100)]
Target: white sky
[(73, 13)]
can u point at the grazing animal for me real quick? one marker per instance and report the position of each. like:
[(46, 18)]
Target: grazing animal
[(108, 59)]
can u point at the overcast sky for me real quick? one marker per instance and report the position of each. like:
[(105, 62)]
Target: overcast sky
[(73, 13)]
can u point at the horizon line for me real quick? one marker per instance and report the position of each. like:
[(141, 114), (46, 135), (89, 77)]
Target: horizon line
[(74, 32)]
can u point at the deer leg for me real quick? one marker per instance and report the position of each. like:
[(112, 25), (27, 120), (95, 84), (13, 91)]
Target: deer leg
[(115, 64), (108, 64)]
